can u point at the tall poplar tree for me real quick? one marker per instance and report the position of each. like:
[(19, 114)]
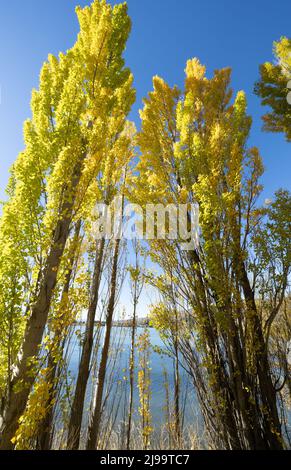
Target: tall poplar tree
[(274, 89), (81, 94), (194, 149)]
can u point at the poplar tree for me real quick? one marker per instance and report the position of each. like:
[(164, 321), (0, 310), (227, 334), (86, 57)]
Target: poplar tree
[(274, 89), (117, 157), (194, 149), (80, 97)]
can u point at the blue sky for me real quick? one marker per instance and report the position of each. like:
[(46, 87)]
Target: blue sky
[(165, 34)]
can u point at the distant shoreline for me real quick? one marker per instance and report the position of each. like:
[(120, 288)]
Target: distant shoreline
[(142, 322)]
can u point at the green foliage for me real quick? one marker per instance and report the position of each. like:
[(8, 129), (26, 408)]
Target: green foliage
[(273, 89), (78, 120)]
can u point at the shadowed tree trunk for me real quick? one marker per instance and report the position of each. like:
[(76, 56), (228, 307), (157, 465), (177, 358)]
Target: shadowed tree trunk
[(94, 426), (137, 282), (131, 371), (84, 367), (177, 387)]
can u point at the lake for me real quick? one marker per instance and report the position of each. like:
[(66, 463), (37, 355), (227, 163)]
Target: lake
[(121, 340)]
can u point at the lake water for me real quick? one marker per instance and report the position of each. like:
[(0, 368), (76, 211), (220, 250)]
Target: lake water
[(121, 340), (158, 365)]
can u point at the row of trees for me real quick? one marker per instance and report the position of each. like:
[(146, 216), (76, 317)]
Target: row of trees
[(224, 311)]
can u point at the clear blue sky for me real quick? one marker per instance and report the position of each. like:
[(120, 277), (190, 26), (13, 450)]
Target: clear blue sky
[(165, 34)]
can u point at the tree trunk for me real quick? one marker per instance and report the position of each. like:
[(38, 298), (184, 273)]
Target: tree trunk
[(45, 430), (94, 427), (131, 373), (23, 379), (74, 432), (271, 422), (177, 390)]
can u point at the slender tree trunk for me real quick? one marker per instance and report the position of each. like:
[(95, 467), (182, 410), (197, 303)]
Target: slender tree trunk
[(177, 391), (23, 378), (45, 430), (45, 436), (271, 424), (94, 427), (168, 417), (131, 373), (84, 367)]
